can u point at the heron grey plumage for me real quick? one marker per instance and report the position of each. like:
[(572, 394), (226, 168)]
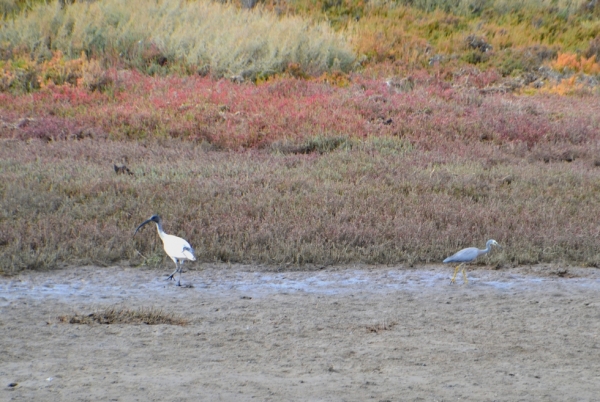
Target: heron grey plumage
[(177, 248), (467, 255)]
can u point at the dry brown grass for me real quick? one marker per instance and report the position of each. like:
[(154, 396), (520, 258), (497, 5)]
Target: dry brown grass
[(63, 203), (119, 315)]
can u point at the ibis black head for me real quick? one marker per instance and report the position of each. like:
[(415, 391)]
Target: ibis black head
[(154, 218)]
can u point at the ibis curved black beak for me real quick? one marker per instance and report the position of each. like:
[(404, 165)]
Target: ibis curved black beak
[(139, 227), (153, 218)]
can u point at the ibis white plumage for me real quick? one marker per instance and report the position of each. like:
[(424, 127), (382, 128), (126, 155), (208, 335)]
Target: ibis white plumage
[(177, 248), (467, 255)]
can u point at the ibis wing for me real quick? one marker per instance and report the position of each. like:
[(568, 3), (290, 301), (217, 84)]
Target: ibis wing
[(189, 253), (176, 247)]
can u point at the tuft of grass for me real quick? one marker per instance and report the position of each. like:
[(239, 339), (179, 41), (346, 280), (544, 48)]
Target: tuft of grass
[(385, 325), (320, 144), (117, 315)]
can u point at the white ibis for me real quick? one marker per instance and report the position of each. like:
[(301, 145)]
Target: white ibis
[(177, 248), (467, 255)]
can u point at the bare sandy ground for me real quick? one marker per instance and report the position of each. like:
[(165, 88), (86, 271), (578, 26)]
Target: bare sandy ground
[(352, 333)]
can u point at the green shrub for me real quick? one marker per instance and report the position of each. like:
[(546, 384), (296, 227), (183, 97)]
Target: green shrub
[(475, 57), (514, 61)]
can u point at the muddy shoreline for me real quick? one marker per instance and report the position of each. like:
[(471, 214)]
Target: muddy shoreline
[(340, 333)]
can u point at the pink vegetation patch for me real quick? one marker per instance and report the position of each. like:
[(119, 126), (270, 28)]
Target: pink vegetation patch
[(430, 113)]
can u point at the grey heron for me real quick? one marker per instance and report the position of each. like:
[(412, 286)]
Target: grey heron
[(467, 255), (177, 248)]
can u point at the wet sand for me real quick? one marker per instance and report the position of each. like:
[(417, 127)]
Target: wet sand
[(350, 333)]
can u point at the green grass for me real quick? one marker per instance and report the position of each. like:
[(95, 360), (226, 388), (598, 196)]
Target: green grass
[(303, 38), (161, 36), (521, 37)]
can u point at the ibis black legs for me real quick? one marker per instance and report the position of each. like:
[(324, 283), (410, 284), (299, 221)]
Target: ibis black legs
[(178, 268)]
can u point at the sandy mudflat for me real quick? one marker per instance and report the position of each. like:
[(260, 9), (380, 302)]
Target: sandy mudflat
[(351, 333)]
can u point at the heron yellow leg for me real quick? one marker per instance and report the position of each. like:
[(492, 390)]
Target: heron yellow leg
[(465, 276), (455, 272)]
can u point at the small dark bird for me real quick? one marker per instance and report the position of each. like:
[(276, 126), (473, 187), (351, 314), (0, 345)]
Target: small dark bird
[(122, 169)]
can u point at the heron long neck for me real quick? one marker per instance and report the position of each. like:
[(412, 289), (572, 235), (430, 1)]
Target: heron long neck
[(486, 250)]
